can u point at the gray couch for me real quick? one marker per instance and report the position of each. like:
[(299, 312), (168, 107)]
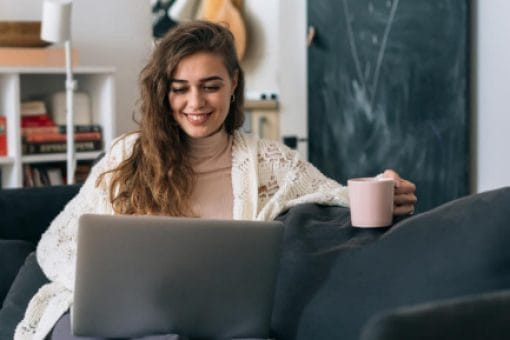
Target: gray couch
[(443, 274)]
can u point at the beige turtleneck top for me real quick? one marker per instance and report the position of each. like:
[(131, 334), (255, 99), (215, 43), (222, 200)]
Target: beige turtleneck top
[(211, 159)]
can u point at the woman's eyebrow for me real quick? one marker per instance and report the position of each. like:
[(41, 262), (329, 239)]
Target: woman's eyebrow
[(203, 80), (211, 78)]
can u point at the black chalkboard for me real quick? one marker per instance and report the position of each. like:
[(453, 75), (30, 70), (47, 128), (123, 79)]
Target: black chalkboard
[(388, 87)]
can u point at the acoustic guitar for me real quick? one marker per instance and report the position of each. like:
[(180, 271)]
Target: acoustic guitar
[(225, 12)]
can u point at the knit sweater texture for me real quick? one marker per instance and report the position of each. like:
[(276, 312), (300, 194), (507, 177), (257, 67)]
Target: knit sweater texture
[(267, 179), (211, 160)]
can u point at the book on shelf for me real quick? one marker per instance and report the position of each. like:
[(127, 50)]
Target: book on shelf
[(28, 176), (34, 113), (33, 108), (3, 136), (82, 172), (36, 120), (55, 176), (35, 148), (38, 179), (53, 173), (61, 129), (39, 137), (42, 175)]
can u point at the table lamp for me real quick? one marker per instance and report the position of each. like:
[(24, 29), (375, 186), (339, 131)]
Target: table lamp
[(56, 28)]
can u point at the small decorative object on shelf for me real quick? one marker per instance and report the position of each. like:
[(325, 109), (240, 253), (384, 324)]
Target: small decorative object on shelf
[(81, 106)]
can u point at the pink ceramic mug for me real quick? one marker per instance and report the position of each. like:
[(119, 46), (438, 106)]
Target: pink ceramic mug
[(371, 201)]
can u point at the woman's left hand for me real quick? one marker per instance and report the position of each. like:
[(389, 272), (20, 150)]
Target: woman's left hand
[(405, 197)]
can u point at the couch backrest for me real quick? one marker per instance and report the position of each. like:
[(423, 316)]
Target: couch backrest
[(25, 213)]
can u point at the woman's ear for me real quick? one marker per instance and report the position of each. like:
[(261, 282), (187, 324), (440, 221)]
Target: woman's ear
[(235, 78)]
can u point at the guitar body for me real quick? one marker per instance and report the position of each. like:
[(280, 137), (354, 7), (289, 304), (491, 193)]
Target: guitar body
[(224, 12)]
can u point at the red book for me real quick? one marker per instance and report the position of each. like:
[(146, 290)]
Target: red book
[(60, 137), (3, 136), (36, 120)]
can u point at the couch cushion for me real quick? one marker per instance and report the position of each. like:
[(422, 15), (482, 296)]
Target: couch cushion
[(333, 277), (29, 279), (12, 256), (40, 206), (472, 317)]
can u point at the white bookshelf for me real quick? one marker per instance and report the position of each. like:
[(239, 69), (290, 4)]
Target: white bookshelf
[(24, 83)]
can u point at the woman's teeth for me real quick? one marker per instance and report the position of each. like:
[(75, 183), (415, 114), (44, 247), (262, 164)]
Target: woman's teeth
[(197, 118)]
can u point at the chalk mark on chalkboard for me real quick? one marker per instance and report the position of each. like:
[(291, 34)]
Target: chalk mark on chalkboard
[(380, 55), (354, 50), (382, 49)]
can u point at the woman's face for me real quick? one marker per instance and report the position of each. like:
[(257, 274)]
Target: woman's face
[(200, 93)]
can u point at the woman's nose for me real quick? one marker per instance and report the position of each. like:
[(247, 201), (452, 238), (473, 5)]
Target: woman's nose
[(195, 99)]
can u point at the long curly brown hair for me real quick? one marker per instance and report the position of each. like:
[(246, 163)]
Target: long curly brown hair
[(157, 178)]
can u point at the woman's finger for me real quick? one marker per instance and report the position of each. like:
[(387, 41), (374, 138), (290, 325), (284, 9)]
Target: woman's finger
[(404, 187), (388, 173), (401, 210), (405, 199)]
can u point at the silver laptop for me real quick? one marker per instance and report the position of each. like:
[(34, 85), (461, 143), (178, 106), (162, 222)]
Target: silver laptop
[(148, 275)]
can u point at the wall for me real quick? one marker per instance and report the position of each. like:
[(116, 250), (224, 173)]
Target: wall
[(261, 60), (292, 71), (492, 88)]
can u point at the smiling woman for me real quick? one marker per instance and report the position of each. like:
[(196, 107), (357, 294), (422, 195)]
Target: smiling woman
[(188, 158), (192, 87)]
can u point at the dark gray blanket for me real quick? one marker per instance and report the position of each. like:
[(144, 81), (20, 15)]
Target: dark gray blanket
[(334, 277)]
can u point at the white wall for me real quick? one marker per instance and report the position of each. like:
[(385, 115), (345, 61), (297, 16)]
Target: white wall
[(110, 33), (261, 60), (292, 71), (492, 105)]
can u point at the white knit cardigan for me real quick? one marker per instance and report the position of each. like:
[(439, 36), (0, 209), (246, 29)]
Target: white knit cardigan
[(267, 179)]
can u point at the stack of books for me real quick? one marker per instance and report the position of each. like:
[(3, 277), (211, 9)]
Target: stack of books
[(45, 174), (39, 175), (40, 134)]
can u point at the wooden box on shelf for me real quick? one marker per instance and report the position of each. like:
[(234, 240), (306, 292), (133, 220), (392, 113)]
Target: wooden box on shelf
[(35, 56)]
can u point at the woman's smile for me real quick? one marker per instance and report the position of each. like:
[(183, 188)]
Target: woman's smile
[(197, 118)]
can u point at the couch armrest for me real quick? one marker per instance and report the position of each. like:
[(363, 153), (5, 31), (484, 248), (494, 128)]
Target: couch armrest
[(481, 316), (25, 213)]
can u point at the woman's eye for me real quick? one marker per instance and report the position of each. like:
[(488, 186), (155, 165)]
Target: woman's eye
[(178, 89), (211, 88)]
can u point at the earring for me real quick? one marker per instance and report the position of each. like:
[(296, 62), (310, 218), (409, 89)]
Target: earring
[(233, 98)]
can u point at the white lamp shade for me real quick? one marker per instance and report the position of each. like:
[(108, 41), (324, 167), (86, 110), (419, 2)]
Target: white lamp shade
[(56, 20)]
